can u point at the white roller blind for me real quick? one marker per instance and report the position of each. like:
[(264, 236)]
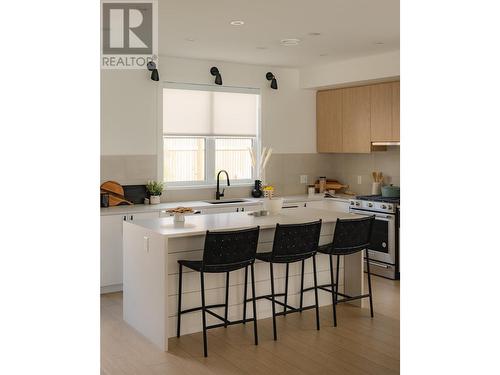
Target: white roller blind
[(207, 112)]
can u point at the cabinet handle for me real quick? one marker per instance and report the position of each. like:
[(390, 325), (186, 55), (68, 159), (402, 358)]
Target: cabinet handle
[(125, 218), (237, 209), (242, 209), (131, 217)]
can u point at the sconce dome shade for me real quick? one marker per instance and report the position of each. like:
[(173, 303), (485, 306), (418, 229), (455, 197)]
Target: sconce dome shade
[(274, 83), (215, 72), (154, 75)]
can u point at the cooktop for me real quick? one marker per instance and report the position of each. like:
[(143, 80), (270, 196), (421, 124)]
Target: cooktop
[(377, 198)]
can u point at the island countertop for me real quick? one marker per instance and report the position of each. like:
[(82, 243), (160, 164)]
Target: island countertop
[(199, 224)]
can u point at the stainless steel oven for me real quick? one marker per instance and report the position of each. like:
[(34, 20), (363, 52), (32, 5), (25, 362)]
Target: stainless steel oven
[(383, 239), (384, 247)]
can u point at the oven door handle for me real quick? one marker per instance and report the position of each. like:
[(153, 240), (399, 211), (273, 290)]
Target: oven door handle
[(379, 265), (377, 216)]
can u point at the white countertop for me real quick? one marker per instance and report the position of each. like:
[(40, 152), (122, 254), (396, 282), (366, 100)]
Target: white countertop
[(198, 205), (199, 224)]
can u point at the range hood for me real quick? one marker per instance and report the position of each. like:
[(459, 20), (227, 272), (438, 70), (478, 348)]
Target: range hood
[(388, 143)]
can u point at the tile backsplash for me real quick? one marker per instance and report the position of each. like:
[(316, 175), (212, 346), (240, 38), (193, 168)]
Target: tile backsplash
[(283, 171)]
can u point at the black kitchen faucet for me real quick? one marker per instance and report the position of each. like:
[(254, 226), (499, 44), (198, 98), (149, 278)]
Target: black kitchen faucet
[(218, 194)]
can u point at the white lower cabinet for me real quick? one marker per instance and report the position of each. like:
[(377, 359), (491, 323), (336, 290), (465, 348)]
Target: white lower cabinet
[(112, 248)]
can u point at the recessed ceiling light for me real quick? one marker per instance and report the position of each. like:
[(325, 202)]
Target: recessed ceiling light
[(237, 23), (190, 39), (379, 43), (323, 54), (261, 47), (289, 42), (315, 34)]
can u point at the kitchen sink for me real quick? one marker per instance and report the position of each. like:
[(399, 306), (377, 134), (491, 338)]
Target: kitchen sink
[(223, 201)]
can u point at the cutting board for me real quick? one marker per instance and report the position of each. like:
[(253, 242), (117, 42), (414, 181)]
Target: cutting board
[(332, 185), (116, 193)]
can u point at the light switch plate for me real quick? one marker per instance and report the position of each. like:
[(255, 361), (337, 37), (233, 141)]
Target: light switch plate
[(303, 179)]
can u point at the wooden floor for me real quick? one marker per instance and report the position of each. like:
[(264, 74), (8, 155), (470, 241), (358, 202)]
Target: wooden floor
[(359, 345)]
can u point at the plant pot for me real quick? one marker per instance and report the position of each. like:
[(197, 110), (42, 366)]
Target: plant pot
[(154, 199), (273, 206)]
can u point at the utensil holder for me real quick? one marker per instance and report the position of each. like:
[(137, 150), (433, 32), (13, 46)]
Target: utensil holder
[(376, 188)]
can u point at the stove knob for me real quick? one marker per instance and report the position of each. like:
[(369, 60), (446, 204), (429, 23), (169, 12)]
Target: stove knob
[(384, 206), (389, 207), (352, 203), (370, 204), (357, 204)]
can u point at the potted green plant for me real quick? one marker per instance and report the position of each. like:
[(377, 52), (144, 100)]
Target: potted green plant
[(155, 189)]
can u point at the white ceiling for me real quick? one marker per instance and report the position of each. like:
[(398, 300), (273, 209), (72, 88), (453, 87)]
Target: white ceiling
[(349, 28)]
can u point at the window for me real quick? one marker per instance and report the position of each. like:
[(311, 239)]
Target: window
[(206, 130)]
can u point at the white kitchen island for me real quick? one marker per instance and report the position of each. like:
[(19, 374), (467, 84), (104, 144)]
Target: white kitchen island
[(152, 247)]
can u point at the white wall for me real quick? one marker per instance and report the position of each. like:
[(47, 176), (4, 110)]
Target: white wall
[(129, 105), (360, 70), (128, 113)]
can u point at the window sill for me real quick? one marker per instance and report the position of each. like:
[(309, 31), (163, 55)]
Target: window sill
[(200, 187)]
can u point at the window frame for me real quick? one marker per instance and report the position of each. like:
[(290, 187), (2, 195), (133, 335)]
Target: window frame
[(209, 140)]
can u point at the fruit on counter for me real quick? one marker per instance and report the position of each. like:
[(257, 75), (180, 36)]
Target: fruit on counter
[(181, 210)]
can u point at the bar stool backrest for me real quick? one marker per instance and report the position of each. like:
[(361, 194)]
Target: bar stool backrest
[(352, 235), (296, 241), (234, 249)]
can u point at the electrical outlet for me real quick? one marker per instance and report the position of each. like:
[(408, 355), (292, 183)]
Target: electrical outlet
[(303, 179), (360, 180)]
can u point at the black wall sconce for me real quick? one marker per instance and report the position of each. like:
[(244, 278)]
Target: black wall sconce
[(270, 77), (154, 72), (215, 72)]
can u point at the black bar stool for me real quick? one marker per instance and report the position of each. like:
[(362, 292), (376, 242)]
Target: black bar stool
[(292, 243), (223, 252), (350, 236)]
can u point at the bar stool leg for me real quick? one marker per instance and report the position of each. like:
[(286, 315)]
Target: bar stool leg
[(227, 299), (302, 286), (336, 287), (286, 287), (316, 292), (333, 292), (254, 304), (179, 302), (204, 320), (369, 281), (272, 301), (245, 296)]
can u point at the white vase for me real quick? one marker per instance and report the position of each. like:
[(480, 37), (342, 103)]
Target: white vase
[(154, 199)]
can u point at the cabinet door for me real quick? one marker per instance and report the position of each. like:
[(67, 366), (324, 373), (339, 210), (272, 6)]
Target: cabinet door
[(356, 137), (329, 121), (395, 111), (381, 112), (111, 250)]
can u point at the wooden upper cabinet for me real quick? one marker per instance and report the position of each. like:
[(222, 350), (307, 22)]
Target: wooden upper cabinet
[(356, 108), (395, 111), (381, 112), (329, 121)]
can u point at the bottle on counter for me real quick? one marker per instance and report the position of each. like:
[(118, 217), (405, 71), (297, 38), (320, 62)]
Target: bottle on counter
[(311, 190), (322, 184)]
